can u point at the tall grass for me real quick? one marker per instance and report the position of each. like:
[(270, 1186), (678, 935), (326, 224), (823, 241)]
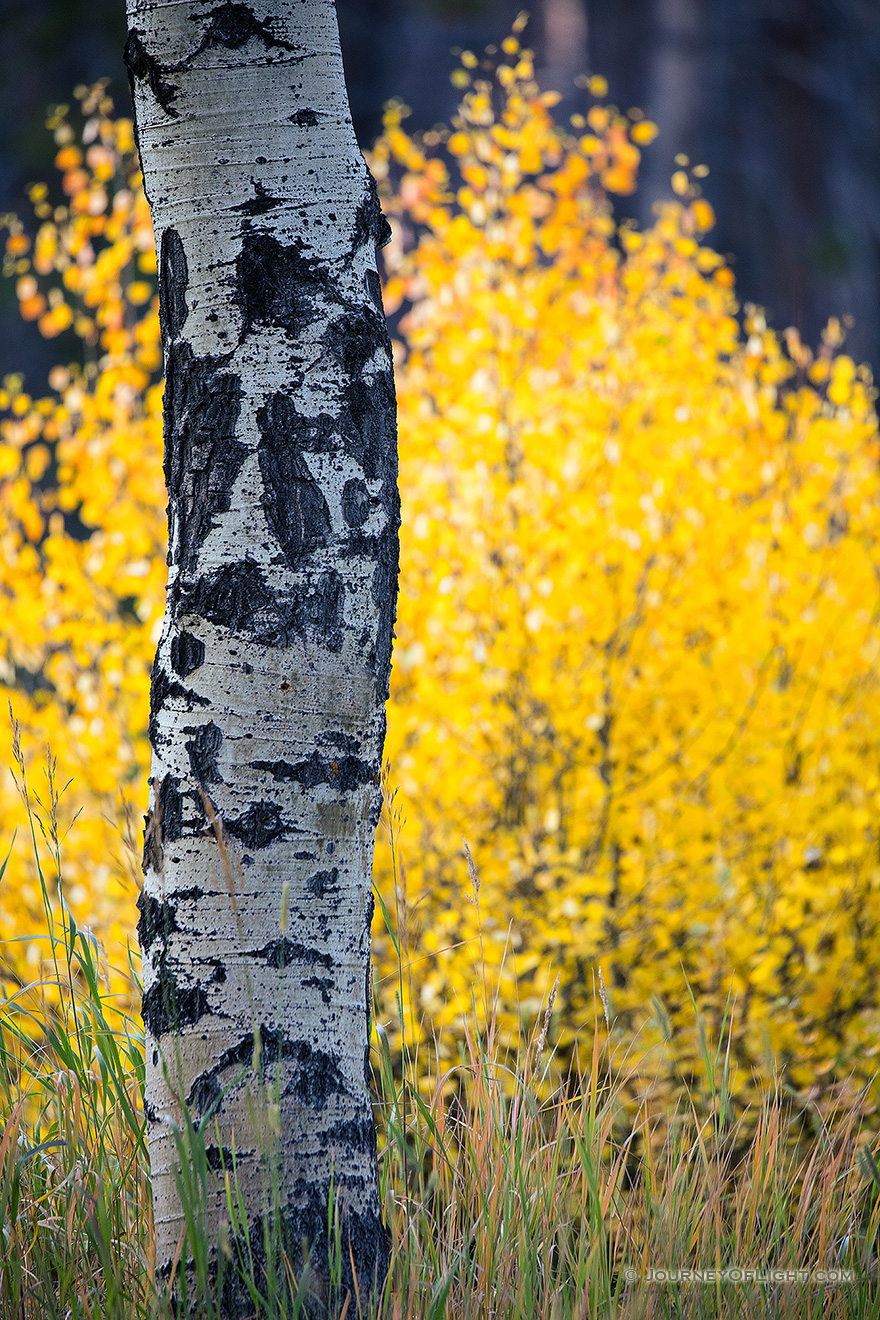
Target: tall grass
[(511, 1187)]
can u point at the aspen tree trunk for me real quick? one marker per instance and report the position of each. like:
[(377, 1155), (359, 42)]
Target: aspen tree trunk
[(268, 691)]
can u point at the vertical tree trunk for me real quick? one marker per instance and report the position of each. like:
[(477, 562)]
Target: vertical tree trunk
[(272, 670)]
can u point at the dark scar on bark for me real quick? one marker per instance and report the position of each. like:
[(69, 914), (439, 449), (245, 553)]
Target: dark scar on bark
[(218, 976), (316, 1076), (166, 1007), (306, 118), (283, 952), (169, 803), (356, 1133), (317, 435), (368, 428), (345, 772), (173, 283), (373, 287), (162, 687), (301, 1231), (157, 920), (231, 25), (202, 456), (340, 740), (260, 203), (323, 882), (259, 826), (322, 984), (203, 749), (384, 591), (141, 65), (295, 507), (218, 1158), (276, 284), (187, 653), (356, 502), (369, 222), (354, 338), (238, 597), (167, 824)]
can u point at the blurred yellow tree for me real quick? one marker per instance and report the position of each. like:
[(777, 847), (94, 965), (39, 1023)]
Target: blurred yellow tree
[(637, 648), (639, 620), (82, 527)]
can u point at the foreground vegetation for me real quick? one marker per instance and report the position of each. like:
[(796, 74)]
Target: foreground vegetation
[(511, 1186)]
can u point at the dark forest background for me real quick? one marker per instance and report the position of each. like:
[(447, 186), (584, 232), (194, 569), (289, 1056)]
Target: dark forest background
[(780, 98)]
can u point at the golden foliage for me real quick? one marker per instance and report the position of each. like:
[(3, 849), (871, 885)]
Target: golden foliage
[(640, 590), (82, 537), (636, 663)]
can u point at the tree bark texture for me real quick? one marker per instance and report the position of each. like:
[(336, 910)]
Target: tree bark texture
[(270, 681)]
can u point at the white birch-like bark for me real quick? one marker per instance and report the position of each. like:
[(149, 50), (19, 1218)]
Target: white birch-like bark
[(272, 670)]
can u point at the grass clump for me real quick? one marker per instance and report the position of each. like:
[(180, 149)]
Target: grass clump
[(512, 1186)]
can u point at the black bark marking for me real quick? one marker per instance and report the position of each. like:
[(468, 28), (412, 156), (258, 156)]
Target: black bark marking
[(231, 25), (187, 653), (276, 284), (203, 749), (345, 773), (205, 1092), (357, 1133), (384, 591), (279, 770), (238, 597), (141, 65), (295, 507), (367, 423), (317, 1075), (369, 222), (339, 739), (218, 1158), (373, 286), (354, 338), (356, 502), (169, 804), (260, 825), (320, 983), (218, 976), (306, 118), (299, 1238), (166, 825), (261, 203), (173, 283), (166, 1007), (323, 882), (281, 953), (320, 610), (317, 435), (157, 920), (204, 1095), (162, 687), (191, 893), (202, 456)]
